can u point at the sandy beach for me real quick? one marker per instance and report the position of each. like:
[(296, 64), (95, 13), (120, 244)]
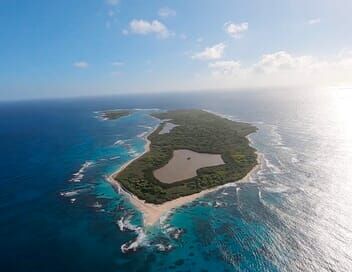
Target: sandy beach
[(153, 212)]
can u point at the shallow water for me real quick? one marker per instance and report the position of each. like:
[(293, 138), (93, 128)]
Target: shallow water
[(57, 212)]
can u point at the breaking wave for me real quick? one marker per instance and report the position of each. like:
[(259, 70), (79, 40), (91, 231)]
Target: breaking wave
[(78, 176), (124, 224)]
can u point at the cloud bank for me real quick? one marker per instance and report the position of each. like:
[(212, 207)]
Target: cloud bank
[(282, 69)]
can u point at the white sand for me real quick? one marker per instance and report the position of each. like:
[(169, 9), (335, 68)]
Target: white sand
[(167, 128), (153, 212)]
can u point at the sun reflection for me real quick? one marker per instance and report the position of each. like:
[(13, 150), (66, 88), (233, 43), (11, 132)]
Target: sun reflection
[(343, 106), (333, 222)]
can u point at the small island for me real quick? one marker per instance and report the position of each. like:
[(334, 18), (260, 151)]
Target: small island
[(115, 114), (189, 154)]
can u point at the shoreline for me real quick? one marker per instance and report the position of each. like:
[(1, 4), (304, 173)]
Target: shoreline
[(152, 213)]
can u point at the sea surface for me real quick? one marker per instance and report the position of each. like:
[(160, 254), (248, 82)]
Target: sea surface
[(58, 213)]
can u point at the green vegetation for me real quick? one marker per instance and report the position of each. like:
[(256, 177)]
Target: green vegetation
[(199, 131), (115, 114)]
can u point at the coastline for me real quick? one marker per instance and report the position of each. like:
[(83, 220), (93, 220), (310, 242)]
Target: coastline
[(153, 212)]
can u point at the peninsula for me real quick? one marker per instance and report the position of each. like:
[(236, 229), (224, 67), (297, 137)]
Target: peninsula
[(190, 153)]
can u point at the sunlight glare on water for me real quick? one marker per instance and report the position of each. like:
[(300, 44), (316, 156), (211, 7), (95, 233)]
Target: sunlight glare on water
[(331, 202)]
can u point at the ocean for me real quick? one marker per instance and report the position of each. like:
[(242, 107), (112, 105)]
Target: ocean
[(58, 213)]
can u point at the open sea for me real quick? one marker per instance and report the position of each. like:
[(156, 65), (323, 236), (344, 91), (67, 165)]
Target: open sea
[(58, 213)]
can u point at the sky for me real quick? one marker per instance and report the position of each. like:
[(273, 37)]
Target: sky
[(95, 47)]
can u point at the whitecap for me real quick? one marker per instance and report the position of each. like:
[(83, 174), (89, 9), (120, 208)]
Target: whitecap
[(147, 127), (163, 218), (119, 142), (174, 233), (72, 193), (124, 224), (132, 152), (143, 134), (97, 205), (278, 188), (163, 248), (78, 176), (69, 194), (133, 245), (294, 160), (271, 166), (114, 158), (219, 204)]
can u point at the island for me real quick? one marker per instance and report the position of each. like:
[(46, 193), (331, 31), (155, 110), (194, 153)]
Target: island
[(115, 114), (189, 154)]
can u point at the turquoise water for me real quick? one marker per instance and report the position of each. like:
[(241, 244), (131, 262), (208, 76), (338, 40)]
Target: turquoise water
[(57, 212)]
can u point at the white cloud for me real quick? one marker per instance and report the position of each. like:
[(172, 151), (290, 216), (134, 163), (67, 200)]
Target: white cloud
[(81, 64), (211, 53), (112, 2), (314, 21), (166, 12), (236, 30), (282, 61), (282, 69), (117, 63), (143, 27)]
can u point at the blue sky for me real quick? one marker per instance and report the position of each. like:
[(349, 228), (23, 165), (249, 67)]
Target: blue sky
[(96, 47)]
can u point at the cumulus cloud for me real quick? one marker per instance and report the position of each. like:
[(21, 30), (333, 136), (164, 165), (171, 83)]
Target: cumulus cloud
[(283, 61), (235, 30), (143, 27), (211, 53), (314, 21), (166, 12), (81, 64)]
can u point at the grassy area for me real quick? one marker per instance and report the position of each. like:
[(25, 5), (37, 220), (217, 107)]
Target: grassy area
[(199, 131), (115, 114)]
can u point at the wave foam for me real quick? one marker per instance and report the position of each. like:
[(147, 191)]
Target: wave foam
[(133, 245), (272, 167), (78, 176), (119, 142), (143, 134), (162, 247), (125, 224)]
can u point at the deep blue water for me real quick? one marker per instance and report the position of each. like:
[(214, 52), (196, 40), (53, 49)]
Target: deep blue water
[(294, 215)]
